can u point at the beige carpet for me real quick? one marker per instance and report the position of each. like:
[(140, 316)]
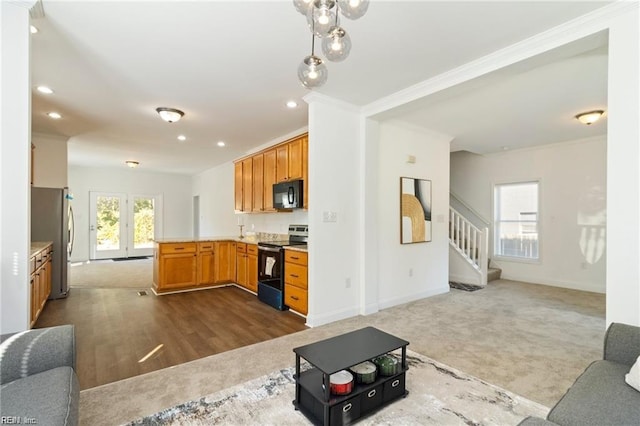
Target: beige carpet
[(136, 273), (530, 339)]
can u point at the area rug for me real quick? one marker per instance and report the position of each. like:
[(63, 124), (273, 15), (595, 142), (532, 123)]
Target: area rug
[(465, 287), (438, 395)]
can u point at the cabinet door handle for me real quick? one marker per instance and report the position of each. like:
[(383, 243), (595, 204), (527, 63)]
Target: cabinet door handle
[(371, 394), (295, 276), (179, 248), (295, 258), (346, 408), (295, 297), (395, 383)]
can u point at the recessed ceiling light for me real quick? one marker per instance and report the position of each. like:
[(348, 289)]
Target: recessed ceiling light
[(54, 115), (44, 89), (292, 104), (33, 29), (220, 143), (182, 138)]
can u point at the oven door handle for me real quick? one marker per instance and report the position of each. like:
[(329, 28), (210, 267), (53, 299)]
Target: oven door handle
[(269, 249)]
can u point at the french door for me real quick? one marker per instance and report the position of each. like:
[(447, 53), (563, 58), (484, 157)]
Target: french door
[(123, 225)]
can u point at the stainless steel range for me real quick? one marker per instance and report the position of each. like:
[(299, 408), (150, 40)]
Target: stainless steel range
[(271, 265)]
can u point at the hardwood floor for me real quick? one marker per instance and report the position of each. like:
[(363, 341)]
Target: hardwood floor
[(116, 329)]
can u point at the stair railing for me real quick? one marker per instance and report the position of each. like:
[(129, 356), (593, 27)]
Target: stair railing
[(470, 241)]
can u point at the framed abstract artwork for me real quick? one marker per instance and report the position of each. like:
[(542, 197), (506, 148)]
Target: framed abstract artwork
[(415, 210)]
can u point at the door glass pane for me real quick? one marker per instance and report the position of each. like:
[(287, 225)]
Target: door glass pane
[(143, 218), (107, 223)]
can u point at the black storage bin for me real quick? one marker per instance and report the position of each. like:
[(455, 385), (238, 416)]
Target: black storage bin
[(394, 388), (371, 400), (346, 412)]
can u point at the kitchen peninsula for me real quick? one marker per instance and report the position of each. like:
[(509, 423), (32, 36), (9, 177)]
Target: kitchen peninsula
[(203, 263)]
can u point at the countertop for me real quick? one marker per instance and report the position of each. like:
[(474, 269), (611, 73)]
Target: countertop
[(36, 246), (296, 248), (250, 239)]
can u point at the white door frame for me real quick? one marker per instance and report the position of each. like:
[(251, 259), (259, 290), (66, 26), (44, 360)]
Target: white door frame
[(126, 248)]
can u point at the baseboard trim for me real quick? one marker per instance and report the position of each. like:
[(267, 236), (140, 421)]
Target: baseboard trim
[(571, 285), (329, 317), (465, 279), (388, 303)]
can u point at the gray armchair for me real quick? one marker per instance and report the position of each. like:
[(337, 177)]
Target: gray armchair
[(38, 382)]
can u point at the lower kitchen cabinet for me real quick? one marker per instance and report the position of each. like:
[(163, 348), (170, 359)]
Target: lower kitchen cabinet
[(296, 280), (206, 263), (192, 265), (175, 266), (225, 254), (247, 266), (40, 280)]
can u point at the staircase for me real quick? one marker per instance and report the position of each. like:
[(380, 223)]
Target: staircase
[(469, 244)]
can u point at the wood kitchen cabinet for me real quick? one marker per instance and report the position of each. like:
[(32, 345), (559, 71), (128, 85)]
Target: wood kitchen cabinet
[(206, 263), (255, 175), (40, 279), (296, 280), (175, 266), (269, 178), (225, 253), (247, 266), (247, 185), (258, 183)]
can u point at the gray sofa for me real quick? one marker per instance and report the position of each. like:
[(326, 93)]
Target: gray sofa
[(600, 396), (38, 383)]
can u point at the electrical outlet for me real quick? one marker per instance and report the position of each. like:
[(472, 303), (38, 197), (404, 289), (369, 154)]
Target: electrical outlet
[(410, 272), (347, 283)]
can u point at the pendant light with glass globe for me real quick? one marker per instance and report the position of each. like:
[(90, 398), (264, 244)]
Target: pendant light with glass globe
[(322, 17)]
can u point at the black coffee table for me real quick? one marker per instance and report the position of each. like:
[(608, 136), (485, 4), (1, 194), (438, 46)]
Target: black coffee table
[(313, 396)]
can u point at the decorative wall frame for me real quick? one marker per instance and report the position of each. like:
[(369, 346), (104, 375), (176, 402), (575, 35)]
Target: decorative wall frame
[(415, 210)]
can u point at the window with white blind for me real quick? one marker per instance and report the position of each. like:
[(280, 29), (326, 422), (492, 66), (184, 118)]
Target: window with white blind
[(516, 220)]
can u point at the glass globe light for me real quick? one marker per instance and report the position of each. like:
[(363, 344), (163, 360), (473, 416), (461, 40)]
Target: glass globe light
[(321, 16), (336, 45), (312, 72), (353, 9), (302, 6)]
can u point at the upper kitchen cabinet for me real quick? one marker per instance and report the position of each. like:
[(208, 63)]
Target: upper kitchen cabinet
[(255, 175), (269, 178), (289, 164), (238, 185), (258, 183)]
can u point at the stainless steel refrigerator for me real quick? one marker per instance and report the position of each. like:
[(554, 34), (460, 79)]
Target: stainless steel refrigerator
[(52, 220)]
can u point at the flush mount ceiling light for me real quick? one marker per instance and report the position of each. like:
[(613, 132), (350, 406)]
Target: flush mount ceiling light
[(322, 17), (44, 89), (590, 117), (132, 164), (170, 115)]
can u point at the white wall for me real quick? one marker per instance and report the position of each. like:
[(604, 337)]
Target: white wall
[(15, 149), (334, 185), (623, 171), (573, 178), (411, 271), (49, 161), (174, 188), (215, 187)]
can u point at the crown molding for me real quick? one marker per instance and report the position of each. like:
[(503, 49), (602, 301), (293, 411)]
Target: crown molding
[(575, 29), (25, 4), (314, 97)]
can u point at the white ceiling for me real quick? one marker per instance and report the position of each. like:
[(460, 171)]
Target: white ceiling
[(231, 66)]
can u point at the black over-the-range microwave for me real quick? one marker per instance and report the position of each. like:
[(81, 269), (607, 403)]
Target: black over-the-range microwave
[(288, 195)]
